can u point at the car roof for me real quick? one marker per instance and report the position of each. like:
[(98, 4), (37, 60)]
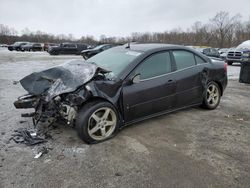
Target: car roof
[(101, 45), (143, 47)]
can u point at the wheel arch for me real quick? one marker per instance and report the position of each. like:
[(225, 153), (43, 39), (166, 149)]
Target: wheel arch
[(220, 86), (218, 83), (101, 99)]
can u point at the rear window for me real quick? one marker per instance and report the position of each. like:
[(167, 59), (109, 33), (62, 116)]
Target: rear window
[(70, 45), (199, 60)]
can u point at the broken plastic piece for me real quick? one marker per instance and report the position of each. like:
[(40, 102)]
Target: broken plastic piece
[(41, 151), (38, 155), (28, 114)]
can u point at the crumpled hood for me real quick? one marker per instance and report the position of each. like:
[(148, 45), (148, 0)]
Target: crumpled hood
[(60, 79)]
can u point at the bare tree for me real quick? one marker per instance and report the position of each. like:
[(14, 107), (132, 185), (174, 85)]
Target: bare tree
[(224, 26), (221, 31)]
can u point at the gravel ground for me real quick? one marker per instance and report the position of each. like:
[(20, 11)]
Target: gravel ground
[(188, 148)]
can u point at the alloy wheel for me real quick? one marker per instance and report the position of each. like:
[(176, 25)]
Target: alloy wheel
[(102, 123), (212, 95)]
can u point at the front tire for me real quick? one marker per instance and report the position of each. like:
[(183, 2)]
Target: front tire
[(97, 121), (229, 62), (212, 96)]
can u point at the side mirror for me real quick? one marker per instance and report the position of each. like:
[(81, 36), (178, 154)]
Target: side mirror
[(136, 79)]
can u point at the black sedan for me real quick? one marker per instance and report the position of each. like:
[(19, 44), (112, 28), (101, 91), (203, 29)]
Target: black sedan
[(124, 85), (91, 52), (67, 48)]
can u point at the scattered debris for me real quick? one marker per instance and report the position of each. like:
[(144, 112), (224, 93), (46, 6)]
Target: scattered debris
[(47, 161), (38, 155), (41, 151), (234, 116), (15, 82), (33, 134), (60, 157), (48, 136), (118, 174), (240, 119), (27, 137), (22, 121)]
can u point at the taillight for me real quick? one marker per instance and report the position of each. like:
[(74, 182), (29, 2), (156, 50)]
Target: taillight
[(225, 67)]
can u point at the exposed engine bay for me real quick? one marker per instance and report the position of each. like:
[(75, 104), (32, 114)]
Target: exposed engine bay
[(57, 93)]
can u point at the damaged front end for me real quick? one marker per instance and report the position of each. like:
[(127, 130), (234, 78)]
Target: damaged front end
[(57, 93), (63, 107)]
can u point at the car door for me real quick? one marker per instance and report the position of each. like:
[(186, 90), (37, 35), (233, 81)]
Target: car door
[(73, 49), (70, 49), (189, 88), (64, 49), (154, 92)]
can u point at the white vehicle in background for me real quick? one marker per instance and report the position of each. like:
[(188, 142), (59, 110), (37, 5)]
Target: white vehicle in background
[(239, 54)]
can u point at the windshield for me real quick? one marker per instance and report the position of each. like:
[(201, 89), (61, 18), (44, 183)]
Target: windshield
[(114, 59), (100, 46)]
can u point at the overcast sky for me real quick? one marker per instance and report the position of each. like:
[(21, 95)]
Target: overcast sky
[(113, 17)]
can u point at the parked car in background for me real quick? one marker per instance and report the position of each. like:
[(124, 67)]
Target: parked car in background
[(17, 46), (211, 52), (67, 48), (47, 45), (32, 47), (91, 52), (239, 53), (4, 45), (123, 85), (223, 53)]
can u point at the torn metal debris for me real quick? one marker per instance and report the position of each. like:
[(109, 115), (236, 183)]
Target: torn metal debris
[(27, 137)]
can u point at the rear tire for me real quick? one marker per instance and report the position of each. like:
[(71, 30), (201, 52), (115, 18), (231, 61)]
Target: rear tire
[(97, 121), (212, 96)]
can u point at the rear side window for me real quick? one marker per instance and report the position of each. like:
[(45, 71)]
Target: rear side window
[(199, 60), (183, 59), (36, 44), (155, 65), (70, 45)]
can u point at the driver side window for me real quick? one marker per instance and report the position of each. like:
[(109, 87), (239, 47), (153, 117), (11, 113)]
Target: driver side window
[(155, 65)]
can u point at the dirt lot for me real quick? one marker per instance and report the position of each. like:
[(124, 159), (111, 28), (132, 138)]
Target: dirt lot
[(189, 148)]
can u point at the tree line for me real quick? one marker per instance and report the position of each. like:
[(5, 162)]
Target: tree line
[(220, 31)]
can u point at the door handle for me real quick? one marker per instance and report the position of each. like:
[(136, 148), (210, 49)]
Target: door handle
[(170, 81)]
